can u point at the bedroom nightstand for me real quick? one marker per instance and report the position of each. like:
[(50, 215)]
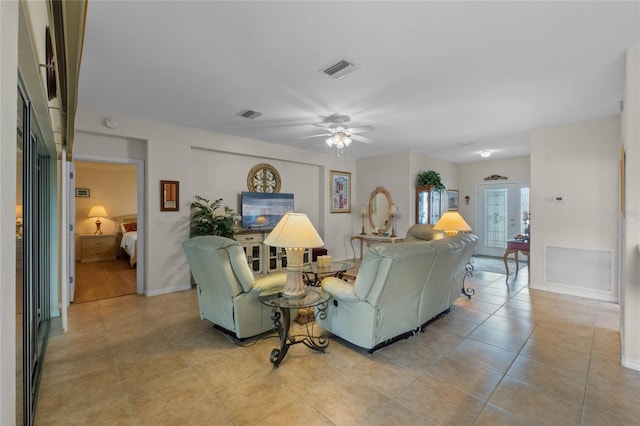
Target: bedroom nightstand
[(98, 248)]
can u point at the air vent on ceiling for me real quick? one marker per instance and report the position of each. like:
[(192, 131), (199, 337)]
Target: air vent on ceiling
[(340, 69), (250, 114)]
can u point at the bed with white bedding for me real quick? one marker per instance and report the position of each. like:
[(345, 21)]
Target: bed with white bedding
[(129, 236)]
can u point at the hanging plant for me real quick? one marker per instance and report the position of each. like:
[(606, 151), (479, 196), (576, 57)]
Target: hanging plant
[(430, 177), (206, 221)]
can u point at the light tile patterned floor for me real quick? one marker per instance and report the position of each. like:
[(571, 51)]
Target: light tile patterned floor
[(510, 355)]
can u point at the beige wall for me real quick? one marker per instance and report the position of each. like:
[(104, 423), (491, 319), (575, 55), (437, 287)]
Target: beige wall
[(630, 300), (580, 162), (9, 82)]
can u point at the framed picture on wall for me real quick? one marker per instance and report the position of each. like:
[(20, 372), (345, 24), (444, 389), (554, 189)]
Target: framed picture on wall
[(169, 196), (83, 192), (340, 191), (453, 199)]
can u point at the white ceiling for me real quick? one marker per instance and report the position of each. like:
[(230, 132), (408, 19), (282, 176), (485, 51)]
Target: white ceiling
[(448, 79)]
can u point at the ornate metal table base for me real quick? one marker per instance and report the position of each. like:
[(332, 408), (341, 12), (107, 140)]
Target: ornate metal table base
[(282, 321), (468, 291)]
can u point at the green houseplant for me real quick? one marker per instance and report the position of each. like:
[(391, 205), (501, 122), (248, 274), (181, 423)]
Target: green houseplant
[(430, 177), (205, 220)]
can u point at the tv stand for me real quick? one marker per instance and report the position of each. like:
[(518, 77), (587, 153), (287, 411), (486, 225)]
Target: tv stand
[(263, 259)]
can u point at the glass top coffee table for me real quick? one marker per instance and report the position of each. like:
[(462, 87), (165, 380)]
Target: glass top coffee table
[(313, 298), (336, 269)]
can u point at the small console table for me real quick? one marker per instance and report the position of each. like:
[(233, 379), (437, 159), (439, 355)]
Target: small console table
[(514, 246), (371, 239), (281, 316)]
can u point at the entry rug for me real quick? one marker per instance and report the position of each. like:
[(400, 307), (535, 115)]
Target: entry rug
[(496, 264)]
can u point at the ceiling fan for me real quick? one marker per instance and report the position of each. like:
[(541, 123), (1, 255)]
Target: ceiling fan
[(339, 135)]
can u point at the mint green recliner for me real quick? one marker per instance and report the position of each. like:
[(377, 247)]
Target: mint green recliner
[(227, 291)]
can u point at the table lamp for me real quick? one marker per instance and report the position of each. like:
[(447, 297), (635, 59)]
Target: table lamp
[(98, 212), (295, 233), (451, 223)]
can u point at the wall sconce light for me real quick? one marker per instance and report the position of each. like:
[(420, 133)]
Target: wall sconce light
[(467, 199)]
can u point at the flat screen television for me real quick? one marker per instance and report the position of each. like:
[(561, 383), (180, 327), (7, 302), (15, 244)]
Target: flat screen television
[(271, 206)]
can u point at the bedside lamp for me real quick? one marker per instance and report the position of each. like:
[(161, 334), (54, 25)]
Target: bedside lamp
[(452, 223), (295, 233), (98, 212)]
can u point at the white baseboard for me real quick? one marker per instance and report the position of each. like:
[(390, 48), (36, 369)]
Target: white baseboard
[(633, 364), (167, 290)]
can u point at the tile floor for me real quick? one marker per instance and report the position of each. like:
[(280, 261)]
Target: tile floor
[(510, 355)]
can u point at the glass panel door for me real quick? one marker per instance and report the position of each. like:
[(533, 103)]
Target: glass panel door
[(499, 215)]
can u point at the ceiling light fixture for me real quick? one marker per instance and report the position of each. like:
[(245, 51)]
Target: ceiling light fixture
[(485, 154), (340, 139)]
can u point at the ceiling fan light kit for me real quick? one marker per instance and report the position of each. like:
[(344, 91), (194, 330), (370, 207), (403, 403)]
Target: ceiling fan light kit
[(340, 136)]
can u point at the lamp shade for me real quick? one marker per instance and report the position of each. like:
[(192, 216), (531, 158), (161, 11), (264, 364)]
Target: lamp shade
[(294, 230), (393, 210), (98, 211), (452, 221)]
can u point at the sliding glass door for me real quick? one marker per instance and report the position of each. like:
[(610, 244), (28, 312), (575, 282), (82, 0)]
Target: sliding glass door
[(34, 245)]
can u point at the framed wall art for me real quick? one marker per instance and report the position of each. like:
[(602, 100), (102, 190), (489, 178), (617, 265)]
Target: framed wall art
[(83, 192), (453, 199), (340, 191), (169, 196)]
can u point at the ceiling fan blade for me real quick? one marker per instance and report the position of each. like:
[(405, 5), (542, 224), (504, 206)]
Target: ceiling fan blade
[(362, 139), (315, 136), (361, 129)]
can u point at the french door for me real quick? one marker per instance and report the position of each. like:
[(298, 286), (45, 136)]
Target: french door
[(501, 207)]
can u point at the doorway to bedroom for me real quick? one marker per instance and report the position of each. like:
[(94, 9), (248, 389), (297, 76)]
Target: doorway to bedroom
[(105, 212)]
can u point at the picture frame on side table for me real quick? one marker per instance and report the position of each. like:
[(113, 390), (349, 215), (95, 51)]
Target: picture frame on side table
[(453, 197), (340, 191), (169, 196)]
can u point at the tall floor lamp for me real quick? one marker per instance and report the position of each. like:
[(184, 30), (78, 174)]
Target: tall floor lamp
[(295, 233)]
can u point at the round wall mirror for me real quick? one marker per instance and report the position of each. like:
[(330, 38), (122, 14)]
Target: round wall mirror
[(379, 205)]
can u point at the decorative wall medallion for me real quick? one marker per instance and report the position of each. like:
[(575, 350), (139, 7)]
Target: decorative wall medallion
[(496, 177), (263, 177)]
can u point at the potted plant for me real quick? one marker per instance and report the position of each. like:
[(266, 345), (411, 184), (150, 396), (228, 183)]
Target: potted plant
[(432, 178), (205, 220)]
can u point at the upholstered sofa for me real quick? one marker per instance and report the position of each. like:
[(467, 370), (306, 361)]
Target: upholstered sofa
[(423, 232), (227, 290), (399, 288)]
